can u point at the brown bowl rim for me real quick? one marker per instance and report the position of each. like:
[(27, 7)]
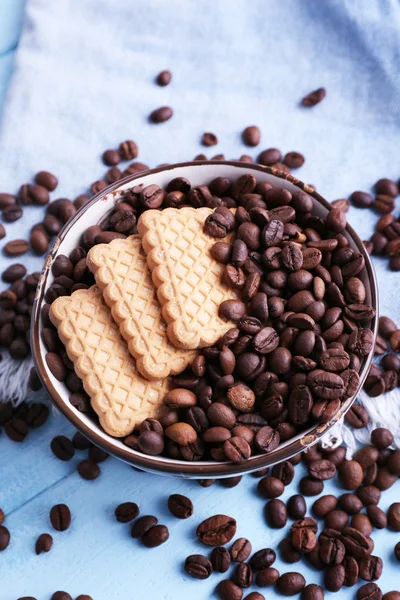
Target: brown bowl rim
[(168, 466)]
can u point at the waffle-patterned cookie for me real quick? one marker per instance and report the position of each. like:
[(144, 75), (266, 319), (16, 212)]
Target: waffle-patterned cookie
[(121, 397), (121, 272), (187, 277)]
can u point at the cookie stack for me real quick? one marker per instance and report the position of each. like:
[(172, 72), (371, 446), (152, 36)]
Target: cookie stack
[(155, 303)]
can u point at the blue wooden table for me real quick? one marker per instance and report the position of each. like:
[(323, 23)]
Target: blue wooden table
[(96, 555)]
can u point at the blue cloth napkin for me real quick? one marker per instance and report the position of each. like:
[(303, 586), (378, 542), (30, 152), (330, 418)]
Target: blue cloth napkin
[(84, 81)]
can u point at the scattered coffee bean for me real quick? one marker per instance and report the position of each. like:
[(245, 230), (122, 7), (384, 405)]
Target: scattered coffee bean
[(216, 530), (164, 113), (62, 447), (155, 536), (164, 78), (312, 99), (127, 511), (4, 537), (88, 469), (60, 517), (198, 566), (43, 543), (180, 506)]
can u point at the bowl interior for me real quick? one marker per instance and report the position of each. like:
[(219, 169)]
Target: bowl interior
[(198, 173)]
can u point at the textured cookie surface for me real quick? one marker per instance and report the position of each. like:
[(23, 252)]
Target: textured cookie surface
[(120, 396), (187, 277), (121, 271)]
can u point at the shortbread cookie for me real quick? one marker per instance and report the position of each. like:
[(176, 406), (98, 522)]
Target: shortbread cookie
[(188, 279), (121, 272), (121, 397)]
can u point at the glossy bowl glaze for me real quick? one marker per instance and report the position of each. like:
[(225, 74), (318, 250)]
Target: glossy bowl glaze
[(94, 212)]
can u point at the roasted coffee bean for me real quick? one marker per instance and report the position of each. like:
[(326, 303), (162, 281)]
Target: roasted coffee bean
[(111, 158), (216, 530), (62, 447), (220, 559), (310, 100), (159, 115), (325, 385), (322, 469), (357, 416), (251, 135), (369, 494), (127, 511), (324, 505), (290, 583), (243, 575), (288, 553), (355, 542), (331, 551), (46, 180), (267, 439), (263, 559), (370, 568), (369, 591), (227, 590), (294, 160), (155, 536), (393, 516), (240, 550), (11, 213), (60, 517), (350, 503), (180, 506), (56, 366), (296, 507), (336, 519), (276, 513), (267, 577), (237, 450), (198, 566), (88, 469), (61, 596), (334, 578), (4, 537), (209, 139), (16, 247), (270, 487), (16, 429), (350, 474), (43, 543), (164, 78), (143, 525), (310, 486)]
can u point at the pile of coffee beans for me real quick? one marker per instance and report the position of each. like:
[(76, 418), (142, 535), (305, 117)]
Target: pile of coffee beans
[(302, 325), (342, 547), (18, 421)]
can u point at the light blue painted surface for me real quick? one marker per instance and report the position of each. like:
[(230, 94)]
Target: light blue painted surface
[(97, 556)]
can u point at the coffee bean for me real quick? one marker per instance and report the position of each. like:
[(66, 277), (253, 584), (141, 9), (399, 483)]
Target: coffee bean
[(266, 577), (220, 559), (180, 506), (296, 507), (240, 550), (312, 592), (227, 590), (56, 366), (350, 474), (334, 578), (209, 139), (252, 136), (276, 513), (11, 213), (290, 583), (324, 505), (127, 511), (16, 430), (244, 575), (62, 447), (216, 530), (369, 591), (159, 115), (391, 596), (370, 568), (43, 543), (393, 516), (4, 537), (46, 180), (325, 385), (88, 469), (310, 486), (61, 596), (164, 78), (60, 517), (237, 450), (198, 566), (16, 247), (270, 487), (336, 519), (155, 536), (357, 416), (312, 99), (369, 494)]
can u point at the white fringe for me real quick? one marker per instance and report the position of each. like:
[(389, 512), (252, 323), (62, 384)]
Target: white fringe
[(14, 376)]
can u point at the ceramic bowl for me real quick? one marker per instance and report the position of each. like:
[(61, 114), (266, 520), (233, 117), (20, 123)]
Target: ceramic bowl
[(198, 173)]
